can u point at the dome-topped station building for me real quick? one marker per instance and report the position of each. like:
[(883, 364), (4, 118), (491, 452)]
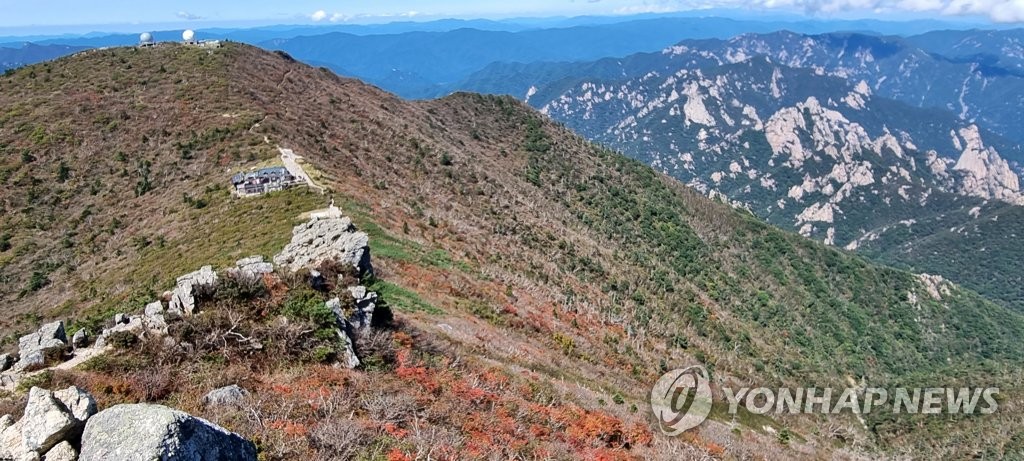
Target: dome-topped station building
[(188, 37)]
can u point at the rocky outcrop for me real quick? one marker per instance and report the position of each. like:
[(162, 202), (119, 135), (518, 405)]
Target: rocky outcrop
[(251, 267), (332, 237), (936, 286), (42, 347), (51, 418), (145, 432), (346, 334), (189, 287), (986, 174), (152, 323), (365, 304), (326, 239)]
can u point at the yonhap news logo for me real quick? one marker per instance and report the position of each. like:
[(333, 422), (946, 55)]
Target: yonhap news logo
[(681, 399)]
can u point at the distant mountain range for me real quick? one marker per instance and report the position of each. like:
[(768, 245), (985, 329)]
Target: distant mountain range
[(976, 87), (30, 53), (868, 143), (430, 59)]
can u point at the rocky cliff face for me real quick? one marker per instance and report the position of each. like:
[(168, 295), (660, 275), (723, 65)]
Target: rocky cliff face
[(986, 174), (829, 158)]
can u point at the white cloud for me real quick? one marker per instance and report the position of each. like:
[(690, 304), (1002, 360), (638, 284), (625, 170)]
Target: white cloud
[(323, 15), (996, 10), (189, 16)]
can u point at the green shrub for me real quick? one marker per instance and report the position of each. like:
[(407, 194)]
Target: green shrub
[(37, 281), (241, 288), (122, 339), (42, 380), (308, 306), (323, 354)]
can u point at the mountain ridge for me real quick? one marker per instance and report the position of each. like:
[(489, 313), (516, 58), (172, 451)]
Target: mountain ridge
[(504, 243), (723, 121)]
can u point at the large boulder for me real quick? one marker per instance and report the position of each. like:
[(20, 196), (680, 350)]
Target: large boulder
[(144, 432), (49, 342), (190, 286), (226, 396), (50, 418), (63, 451), (326, 239), (80, 339)]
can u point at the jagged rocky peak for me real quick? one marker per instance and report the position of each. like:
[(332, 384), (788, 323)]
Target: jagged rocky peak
[(831, 132), (986, 174)]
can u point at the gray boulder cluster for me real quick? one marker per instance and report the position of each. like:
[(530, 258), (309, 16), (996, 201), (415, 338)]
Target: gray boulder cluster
[(181, 302), (45, 346), (51, 427), (64, 426)]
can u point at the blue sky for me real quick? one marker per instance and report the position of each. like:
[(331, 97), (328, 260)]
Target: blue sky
[(27, 14)]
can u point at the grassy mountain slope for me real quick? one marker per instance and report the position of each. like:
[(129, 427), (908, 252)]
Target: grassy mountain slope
[(559, 278)]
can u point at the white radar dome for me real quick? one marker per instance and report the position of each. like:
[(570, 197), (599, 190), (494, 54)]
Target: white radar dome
[(188, 35), (146, 37)]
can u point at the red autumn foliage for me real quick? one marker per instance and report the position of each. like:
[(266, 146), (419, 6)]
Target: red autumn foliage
[(397, 455), (289, 428), (395, 431)]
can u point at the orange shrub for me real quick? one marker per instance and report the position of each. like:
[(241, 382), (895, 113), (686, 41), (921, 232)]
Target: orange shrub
[(397, 455)]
